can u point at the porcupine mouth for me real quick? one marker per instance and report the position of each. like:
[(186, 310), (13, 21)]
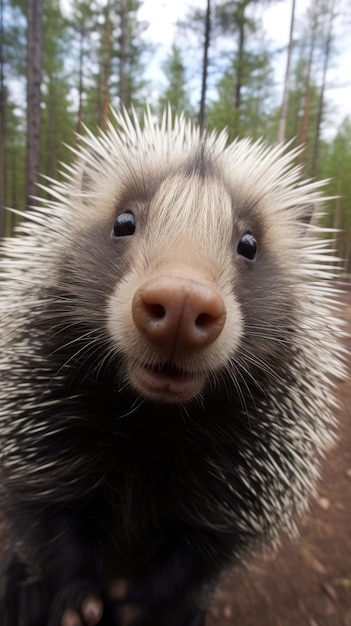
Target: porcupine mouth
[(166, 382)]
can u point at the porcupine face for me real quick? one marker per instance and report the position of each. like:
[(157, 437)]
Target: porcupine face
[(175, 315), (189, 264)]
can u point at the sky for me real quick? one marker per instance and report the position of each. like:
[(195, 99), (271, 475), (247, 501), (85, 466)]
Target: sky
[(162, 16)]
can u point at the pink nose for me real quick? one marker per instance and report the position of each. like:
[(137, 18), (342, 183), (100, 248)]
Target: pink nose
[(182, 312)]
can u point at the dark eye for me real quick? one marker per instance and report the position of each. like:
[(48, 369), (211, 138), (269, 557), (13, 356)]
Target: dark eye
[(124, 225), (247, 246)]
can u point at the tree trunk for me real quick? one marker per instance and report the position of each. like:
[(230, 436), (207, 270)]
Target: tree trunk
[(34, 70), (306, 109), (123, 54), (284, 108), (306, 114), (2, 124), (51, 132), (240, 62), (202, 111), (327, 51), (106, 68), (80, 82)]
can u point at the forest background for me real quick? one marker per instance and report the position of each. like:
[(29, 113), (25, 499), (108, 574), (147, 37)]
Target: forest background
[(62, 65)]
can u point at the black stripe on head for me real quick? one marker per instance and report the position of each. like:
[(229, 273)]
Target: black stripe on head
[(200, 164)]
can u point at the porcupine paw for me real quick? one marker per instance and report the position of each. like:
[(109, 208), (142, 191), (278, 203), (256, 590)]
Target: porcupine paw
[(79, 604), (123, 611)]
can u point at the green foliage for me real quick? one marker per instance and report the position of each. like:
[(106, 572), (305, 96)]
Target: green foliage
[(12, 136), (176, 92), (85, 32), (254, 115), (231, 17), (109, 45), (14, 40), (135, 51), (336, 166), (303, 101), (57, 116), (15, 150)]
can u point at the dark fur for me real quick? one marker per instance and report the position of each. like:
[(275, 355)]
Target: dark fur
[(154, 469), (109, 486), (153, 517)]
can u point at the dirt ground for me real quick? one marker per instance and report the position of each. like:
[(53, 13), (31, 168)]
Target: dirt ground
[(309, 582)]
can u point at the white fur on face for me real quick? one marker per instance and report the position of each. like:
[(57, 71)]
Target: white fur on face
[(188, 234)]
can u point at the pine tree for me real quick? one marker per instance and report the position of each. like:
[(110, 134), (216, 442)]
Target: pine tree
[(130, 53), (175, 92), (335, 165), (234, 20), (205, 65), (57, 118), (2, 123), (110, 35), (34, 72), (285, 103), (13, 114), (253, 117), (84, 46)]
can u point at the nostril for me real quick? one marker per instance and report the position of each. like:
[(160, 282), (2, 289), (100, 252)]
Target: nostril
[(150, 317), (204, 321), (155, 311)]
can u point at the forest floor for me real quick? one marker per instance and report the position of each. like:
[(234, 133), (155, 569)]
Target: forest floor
[(308, 583)]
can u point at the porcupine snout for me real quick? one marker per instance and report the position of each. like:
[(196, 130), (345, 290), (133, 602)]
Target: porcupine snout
[(183, 311)]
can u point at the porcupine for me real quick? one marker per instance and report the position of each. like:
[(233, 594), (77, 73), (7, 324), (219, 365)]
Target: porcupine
[(168, 333)]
